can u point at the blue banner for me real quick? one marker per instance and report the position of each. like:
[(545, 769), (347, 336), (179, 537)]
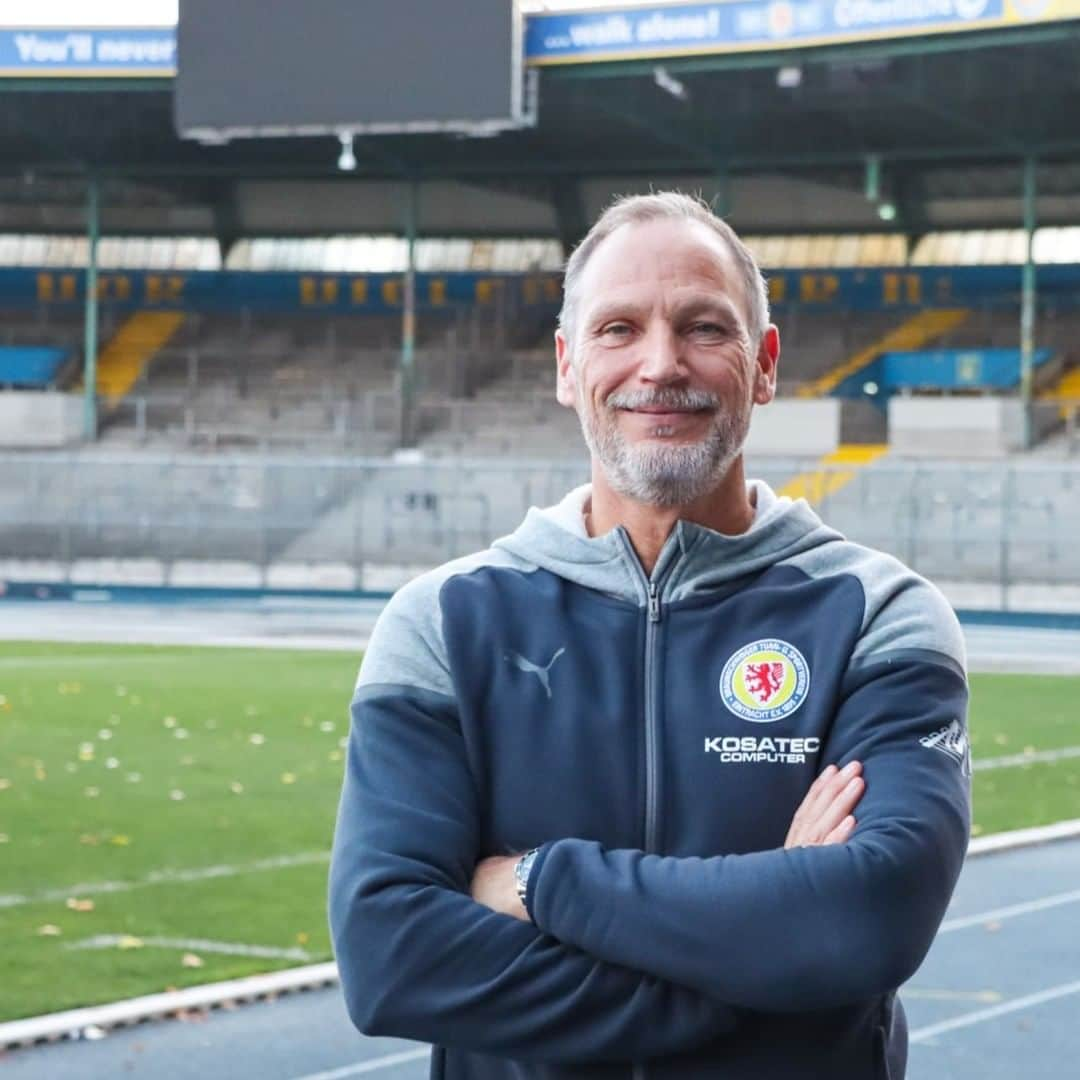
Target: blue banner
[(236, 290), (872, 289), (94, 52), (687, 29)]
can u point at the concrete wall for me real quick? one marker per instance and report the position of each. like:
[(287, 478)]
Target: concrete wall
[(958, 427), (793, 426), (39, 419)]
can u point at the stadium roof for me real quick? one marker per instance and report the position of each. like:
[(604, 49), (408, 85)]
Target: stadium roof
[(948, 118)]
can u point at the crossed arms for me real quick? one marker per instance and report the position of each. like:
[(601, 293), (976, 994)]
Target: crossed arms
[(636, 956)]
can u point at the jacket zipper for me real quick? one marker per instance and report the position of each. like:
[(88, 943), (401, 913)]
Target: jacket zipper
[(653, 620)]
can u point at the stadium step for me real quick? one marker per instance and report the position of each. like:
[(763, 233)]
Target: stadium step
[(834, 471), (131, 349), (915, 333), (1066, 390)]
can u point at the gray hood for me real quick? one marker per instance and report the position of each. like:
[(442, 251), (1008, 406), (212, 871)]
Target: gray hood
[(694, 559)]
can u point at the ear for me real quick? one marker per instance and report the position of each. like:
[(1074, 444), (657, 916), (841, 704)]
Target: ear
[(768, 357), (565, 376)]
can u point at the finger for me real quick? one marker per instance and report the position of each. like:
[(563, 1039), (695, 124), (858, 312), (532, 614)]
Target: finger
[(817, 795), (842, 831), (833, 783), (841, 806)]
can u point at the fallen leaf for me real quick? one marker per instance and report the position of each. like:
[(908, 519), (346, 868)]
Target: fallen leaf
[(40, 774), (327, 726), (92, 792), (190, 960), (302, 938), (104, 734), (129, 941), (75, 904), (169, 721), (112, 763), (48, 930), (5, 783), (334, 755), (89, 839), (4, 838), (236, 787), (180, 733), (176, 795), (288, 778), (256, 739), (120, 840), (133, 777)]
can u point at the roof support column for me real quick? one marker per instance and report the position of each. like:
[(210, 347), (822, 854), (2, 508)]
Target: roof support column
[(407, 363), (90, 322), (1027, 299)]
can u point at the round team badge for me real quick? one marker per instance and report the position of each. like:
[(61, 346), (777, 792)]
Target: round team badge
[(764, 681)]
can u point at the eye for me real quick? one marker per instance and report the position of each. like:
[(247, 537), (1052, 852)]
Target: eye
[(616, 330), (708, 329)]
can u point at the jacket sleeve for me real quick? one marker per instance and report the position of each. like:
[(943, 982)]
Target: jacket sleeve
[(808, 927), (420, 959)]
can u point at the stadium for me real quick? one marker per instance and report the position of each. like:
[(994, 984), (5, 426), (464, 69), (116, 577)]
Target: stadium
[(278, 292)]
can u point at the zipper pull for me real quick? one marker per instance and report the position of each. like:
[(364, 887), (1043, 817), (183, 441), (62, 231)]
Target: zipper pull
[(654, 602)]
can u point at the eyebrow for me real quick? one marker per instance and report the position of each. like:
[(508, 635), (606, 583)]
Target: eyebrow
[(696, 305)]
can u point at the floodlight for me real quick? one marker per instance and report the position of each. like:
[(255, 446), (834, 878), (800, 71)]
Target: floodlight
[(666, 81), (886, 211), (789, 77), (346, 161)]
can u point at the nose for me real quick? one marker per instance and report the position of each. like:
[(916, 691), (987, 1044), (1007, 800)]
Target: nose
[(662, 359)]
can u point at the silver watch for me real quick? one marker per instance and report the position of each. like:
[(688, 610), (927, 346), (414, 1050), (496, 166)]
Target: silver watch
[(521, 873)]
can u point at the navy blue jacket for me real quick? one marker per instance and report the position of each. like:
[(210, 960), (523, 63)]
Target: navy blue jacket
[(654, 737)]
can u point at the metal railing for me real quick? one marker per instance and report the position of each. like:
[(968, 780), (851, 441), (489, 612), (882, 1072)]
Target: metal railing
[(998, 524)]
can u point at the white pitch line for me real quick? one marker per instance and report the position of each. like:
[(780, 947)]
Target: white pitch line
[(1012, 761), (997, 914), (369, 1066), (982, 1015), (228, 948), (164, 877)]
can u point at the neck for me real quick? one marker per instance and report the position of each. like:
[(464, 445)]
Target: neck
[(726, 509)]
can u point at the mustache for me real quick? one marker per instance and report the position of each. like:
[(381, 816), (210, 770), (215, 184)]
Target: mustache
[(663, 398)]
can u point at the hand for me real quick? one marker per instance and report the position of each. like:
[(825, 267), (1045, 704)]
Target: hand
[(494, 886), (824, 816)]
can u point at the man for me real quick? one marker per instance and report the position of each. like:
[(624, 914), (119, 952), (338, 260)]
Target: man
[(580, 833)]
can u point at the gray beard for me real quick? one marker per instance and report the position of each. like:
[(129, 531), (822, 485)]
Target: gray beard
[(658, 474)]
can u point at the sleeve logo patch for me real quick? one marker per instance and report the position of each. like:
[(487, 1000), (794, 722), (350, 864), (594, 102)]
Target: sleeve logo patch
[(765, 681), (951, 740)]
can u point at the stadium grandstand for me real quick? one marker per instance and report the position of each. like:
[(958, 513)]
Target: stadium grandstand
[(334, 351)]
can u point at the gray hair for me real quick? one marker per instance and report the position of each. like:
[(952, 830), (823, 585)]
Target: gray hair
[(664, 206)]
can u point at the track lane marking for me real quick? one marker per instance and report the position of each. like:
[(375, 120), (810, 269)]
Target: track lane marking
[(997, 914), (980, 1016), (368, 1066)]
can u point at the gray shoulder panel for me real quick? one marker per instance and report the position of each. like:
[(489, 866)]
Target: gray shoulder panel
[(407, 644), (903, 611)]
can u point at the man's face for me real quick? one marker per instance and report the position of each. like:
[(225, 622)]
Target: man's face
[(663, 371)]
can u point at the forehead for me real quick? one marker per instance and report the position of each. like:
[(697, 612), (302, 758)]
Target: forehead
[(639, 260)]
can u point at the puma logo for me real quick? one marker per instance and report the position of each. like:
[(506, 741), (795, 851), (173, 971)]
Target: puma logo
[(542, 673)]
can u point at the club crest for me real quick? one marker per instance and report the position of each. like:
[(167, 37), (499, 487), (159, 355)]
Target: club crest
[(765, 681)]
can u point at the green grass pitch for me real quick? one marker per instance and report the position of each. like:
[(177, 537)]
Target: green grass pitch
[(120, 762)]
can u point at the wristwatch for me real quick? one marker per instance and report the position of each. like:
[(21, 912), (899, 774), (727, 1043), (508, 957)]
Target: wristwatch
[(521, 874)]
